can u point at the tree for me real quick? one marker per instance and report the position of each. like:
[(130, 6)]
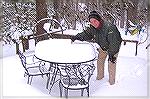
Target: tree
[(133, 8), (41, 12)]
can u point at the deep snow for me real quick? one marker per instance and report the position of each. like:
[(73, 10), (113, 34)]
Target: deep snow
[(131, 77)]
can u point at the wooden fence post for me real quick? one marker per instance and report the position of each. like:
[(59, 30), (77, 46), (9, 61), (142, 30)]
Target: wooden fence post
[(17, 48), (25, 43)]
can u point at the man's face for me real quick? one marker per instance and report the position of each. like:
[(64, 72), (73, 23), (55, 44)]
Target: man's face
[(94, 22)]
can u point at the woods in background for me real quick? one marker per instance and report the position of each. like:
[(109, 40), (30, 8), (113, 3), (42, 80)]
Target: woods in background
[(21, 15)]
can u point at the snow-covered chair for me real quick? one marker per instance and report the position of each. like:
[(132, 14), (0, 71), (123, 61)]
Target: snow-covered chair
[(32, 68), (48, 26), (75, 77)]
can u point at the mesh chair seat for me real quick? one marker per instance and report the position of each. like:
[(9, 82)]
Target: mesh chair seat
[(74, 83), (35, 71)]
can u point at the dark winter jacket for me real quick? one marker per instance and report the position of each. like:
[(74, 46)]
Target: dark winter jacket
[(108, 37)]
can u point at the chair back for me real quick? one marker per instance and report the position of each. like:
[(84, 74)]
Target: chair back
[(23, 60), (45, 28), (86, 71), (76, 74)]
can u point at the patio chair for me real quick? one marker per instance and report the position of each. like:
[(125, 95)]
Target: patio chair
[(44, 29), (75, 77), (32, 69)]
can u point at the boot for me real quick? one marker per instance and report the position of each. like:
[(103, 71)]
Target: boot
[(112, 72)]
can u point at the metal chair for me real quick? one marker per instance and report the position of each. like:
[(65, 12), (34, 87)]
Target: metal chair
[(75, 77), (48, 26), (32, 69)]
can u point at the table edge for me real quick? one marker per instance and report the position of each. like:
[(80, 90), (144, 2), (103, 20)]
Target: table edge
[(64, 62)]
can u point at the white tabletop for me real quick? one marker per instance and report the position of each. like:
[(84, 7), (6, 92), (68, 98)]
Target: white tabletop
[(63, 51)]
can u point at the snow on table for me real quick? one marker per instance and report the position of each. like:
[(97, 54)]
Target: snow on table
[(63, 51)]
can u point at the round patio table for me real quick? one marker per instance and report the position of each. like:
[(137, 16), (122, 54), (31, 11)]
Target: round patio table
[(62, 51)]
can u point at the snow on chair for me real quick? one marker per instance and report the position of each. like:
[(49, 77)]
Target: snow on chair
[(45, 28), (75, 77), (32, 69)]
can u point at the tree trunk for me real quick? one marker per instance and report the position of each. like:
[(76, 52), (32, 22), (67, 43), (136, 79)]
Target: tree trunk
[(56, 5), (41, 12), (132, 12), (122, 19)]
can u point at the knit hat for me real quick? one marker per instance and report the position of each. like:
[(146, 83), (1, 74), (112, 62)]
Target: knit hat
[(95, 15)]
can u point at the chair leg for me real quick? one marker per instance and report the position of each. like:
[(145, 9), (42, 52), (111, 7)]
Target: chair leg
[(25, 74), (50, 66), (66, 92), (53, 79), (28, 79), (42, 76), (47, 75), (61, 88), (82, 90), (48, 79), (87, 91), (31, 79)]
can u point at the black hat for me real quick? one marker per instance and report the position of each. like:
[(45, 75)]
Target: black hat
[(95, 15)]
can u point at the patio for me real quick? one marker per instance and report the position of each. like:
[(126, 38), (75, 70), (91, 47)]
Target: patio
[(131, 78)]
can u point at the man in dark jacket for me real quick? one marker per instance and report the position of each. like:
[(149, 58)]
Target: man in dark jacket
[(107, 36)]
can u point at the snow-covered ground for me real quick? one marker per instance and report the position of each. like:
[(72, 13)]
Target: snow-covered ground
[(131, 77)]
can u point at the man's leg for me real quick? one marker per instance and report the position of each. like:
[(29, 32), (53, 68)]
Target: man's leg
[(112, 71), (100, 63)]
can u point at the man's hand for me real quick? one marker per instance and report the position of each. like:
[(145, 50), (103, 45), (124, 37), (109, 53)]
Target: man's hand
[(73, 38), (112, 58)]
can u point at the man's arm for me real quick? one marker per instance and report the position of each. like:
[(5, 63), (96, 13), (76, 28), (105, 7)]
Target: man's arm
[(83, 36)]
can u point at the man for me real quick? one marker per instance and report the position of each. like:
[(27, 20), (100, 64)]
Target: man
[(109, 39)]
